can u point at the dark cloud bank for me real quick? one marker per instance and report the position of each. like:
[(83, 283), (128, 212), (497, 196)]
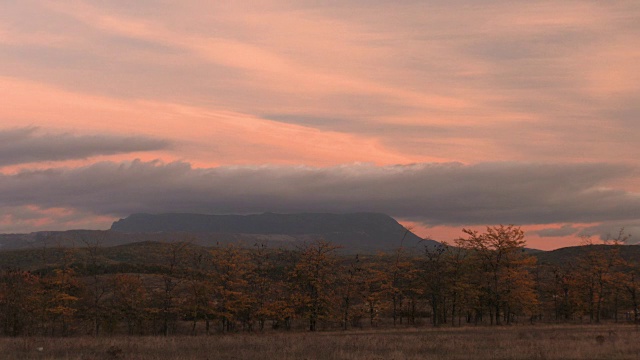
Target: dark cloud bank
[(29, 145), (435, 194)]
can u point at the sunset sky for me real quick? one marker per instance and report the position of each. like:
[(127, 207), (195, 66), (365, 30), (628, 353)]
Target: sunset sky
[(442, 114)]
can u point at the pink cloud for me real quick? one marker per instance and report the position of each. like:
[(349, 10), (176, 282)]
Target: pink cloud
[(204, 135)]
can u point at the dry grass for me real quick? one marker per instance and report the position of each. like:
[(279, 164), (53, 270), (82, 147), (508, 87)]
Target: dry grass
[(531, 342)]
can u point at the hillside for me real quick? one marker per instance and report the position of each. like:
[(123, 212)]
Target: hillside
[(571, 254)]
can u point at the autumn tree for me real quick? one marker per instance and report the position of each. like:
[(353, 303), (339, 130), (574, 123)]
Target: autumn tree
[(262, 286), (19, 292), (231, 268), (278, 298), (61, 292), (500, 255), (172, 277), (631, 284), (445, 274), (599, 274), (559, 285), (435, 281), (129, 301), (313, 279), (459, 274), (97, 287), (198, 297), (400, 274), (376, 287), (352, 288)]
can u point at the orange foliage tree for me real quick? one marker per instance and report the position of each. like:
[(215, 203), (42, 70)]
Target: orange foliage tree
[(313, 279), (508, 285)]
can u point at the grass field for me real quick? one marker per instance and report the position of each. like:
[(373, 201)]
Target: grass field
[(515, 342)]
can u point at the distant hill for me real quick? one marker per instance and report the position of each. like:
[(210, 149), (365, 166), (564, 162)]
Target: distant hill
[(573, 253), (354, 231)]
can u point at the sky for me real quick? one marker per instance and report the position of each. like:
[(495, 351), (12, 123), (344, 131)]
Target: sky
[(443, 114)]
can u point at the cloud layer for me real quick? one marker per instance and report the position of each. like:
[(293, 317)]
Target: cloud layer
[(434, 194), (28, 145)]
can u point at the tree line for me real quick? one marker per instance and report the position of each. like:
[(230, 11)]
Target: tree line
[(481, 278)]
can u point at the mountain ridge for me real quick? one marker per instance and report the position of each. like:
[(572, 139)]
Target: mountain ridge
[(375, 231), (354, 232)]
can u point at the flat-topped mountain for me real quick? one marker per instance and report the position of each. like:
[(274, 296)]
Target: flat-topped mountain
[(355, 230), (266, 223)]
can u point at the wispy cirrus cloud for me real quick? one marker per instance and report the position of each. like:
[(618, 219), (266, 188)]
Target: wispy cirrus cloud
[(499, 80), (204, 135)]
